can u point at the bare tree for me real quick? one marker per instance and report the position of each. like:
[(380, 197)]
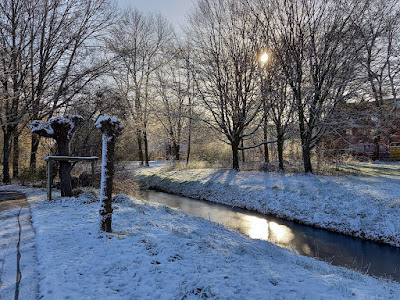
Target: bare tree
[(46, 55), (378, 32), (278, 102), (190, 93), (137, 47), (172, 111), (99, 98), (15, 16), (65, 40), (313, 42), (225, 45)]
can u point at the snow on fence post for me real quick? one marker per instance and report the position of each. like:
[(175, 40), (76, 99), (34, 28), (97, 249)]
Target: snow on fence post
[(111, 128), (61, 129)]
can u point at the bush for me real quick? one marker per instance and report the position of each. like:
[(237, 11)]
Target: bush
[(28, 176)]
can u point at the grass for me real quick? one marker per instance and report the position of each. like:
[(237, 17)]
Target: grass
[(194, 165), (369, 169), (342, 167)]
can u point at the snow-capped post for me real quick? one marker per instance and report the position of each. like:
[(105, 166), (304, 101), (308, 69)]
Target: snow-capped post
[(111, 128), (61, 129)]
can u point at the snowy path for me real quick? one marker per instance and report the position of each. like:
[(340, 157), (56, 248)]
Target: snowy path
[(18, 278)]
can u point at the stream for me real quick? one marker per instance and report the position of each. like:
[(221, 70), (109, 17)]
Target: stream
[(363, 256)]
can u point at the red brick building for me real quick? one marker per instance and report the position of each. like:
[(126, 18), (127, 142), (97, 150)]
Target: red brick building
[(369, 127)]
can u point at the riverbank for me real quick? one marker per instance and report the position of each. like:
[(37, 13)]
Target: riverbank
[(158, 253), (367, 207)]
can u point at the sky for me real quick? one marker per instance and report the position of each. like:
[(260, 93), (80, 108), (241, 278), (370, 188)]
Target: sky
[(174, 10)]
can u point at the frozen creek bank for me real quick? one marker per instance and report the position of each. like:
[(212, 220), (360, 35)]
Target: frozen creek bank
[(365, 207)]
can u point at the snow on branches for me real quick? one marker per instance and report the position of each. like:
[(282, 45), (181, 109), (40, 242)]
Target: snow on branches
[(110, 124), (61, 129), (57, 126)]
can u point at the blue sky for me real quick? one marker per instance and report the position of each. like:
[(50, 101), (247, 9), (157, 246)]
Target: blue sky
[(173, 10)]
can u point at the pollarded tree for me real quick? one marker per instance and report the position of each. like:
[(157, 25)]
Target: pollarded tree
[(61, 129), (224, 38), (111, 128)]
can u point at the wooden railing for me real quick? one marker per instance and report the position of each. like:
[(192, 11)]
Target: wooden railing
[(50, 159)]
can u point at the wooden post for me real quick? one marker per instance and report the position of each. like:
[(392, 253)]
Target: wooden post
[(48, 164), (92, 178)]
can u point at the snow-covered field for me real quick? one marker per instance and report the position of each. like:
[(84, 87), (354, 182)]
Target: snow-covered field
[(362, 206), (159, 253)]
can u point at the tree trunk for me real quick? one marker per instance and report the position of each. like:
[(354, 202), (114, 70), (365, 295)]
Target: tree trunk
[(176, 151), (110, 129), (266, 152), (243, 155), (189, 134), (65, 169), (377, 150), (146, 148), (280, 141), (307, 158), (6, 156), (65, 178), (235, 155), (16, 155), (35, 141), (305, 137), (140, 150), (188, 147), (107, 182)]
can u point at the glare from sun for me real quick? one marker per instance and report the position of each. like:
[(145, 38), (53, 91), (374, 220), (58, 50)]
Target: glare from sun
[(258, 228), (264, 58)]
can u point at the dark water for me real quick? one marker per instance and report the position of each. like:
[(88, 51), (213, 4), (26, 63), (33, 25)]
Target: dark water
[(341, 250)]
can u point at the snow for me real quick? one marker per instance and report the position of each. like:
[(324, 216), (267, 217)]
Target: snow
[(47, 126), (71, 157), (105, 118), (361, 206), (37, 125), (158, 253), (68, 119), (10, 220), (103, 168)]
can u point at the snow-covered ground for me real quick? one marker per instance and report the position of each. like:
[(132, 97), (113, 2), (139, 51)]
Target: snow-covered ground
[(159, 253), (362, 206), (16, 233)]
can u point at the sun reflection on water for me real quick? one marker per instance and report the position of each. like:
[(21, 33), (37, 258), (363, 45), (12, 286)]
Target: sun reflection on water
[(281, 234), (258, 228)]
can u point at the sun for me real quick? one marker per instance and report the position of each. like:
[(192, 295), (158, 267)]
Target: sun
[(264, 58)]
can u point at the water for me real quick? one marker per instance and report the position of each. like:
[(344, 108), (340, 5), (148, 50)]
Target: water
[(337, 249)]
